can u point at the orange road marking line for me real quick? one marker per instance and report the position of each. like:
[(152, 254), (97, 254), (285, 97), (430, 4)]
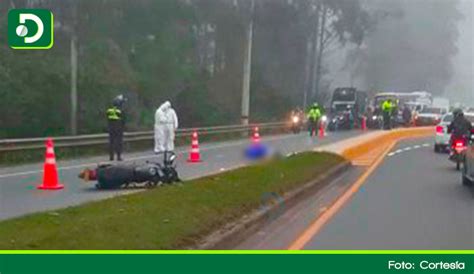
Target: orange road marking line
[(317, 224)]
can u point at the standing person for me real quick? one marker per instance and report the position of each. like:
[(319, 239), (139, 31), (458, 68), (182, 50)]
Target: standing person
[(314, 115), (349, 116), (407, 115), (387, 114), (166, 123), (115, 127)]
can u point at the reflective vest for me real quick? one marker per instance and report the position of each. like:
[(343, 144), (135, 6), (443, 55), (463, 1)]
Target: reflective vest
[(114, 114), (387, 106), (314, 114)]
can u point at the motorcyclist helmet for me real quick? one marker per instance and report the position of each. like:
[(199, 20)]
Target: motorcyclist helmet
[(119, 100), (458, 113)]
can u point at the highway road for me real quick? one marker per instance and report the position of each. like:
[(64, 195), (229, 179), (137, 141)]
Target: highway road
[(19, 196), (413, 200)]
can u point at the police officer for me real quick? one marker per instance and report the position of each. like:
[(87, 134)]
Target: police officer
[(116, 124), (387, 107), (314, 115)]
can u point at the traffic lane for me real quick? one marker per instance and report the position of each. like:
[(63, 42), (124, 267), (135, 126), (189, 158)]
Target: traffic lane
[(280, 229), (414, 200), (19, 196)]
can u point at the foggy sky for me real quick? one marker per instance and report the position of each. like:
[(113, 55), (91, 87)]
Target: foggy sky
[(462, 85)]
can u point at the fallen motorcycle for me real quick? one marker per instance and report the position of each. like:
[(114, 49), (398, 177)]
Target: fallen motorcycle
[(149, 174)]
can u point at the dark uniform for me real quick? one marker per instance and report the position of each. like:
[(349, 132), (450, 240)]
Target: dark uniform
[(460, 127), (115, 129)]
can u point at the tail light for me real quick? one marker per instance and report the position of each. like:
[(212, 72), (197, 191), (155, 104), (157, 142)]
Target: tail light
[(459, 144), (439, 129)]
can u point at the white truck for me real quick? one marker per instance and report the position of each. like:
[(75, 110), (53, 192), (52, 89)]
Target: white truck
[(441, 103)]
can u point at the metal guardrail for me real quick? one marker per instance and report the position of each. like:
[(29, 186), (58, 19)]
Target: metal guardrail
[(97, 139)]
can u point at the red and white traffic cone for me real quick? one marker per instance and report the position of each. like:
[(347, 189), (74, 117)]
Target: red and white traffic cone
[(255, 136), (50, 171), (363, 125), (322, 130), (194, 155)]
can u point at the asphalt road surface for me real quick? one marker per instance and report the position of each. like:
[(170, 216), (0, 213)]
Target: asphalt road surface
[(413, 200), (19, 196)]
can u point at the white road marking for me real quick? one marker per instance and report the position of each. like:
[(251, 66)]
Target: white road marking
[(393, 153)]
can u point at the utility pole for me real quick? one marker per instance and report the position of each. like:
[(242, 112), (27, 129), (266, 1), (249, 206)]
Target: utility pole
[(313, 54), (73, 84), (307, 73), (74, 71), (319, 59), (247, 68)]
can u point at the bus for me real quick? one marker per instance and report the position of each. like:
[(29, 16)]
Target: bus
[(344, 97)]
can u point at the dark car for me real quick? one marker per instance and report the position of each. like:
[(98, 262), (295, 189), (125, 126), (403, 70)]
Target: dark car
[(468, 170)]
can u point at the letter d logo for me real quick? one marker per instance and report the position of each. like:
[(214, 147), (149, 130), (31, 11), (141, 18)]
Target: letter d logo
[(30, 29)]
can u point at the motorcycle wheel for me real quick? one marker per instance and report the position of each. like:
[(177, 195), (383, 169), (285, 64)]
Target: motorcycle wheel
[(458, 165)]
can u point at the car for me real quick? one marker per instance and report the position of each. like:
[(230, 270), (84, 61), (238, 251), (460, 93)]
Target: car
[(468, 166), (442, 136), (428, 116)]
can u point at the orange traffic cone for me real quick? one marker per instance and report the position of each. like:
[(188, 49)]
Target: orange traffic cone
[(322, 132), (363, 125), (255, 136), (50, 172), (194, 155)]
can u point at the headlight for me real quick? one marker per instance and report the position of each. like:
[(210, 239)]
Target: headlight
[(324, 118), (374, 117), (296, 119)]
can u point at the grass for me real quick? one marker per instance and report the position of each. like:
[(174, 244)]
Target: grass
[(170, 217)]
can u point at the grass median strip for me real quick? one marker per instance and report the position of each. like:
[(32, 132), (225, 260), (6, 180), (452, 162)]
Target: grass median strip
[(168, 217)]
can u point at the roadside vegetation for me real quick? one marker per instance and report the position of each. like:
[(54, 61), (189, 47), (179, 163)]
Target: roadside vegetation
[(170, 217)]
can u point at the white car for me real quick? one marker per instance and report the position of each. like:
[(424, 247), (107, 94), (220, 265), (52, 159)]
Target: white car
[(429, 116), (442, 136)]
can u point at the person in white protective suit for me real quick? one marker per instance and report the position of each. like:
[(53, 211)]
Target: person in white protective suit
[(166, 123)]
